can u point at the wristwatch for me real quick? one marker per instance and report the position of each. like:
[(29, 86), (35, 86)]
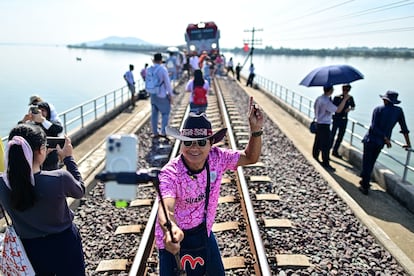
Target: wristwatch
[(257, 133)]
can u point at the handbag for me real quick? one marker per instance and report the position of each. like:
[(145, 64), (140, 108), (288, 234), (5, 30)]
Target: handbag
[(13, 259), (313, 127)]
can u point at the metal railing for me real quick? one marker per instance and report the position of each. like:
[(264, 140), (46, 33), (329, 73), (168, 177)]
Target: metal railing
[(85, 113), (355, 130)]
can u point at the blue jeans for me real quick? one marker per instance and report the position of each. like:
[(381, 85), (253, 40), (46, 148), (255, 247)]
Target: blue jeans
[(57, 254), (159, 105), (369, 157), (199, 254)]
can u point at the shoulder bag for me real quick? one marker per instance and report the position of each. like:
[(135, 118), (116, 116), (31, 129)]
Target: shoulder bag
[(313, 126), (13, 259)]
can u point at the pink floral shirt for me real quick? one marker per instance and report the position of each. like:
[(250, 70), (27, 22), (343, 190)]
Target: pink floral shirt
[(190, 193)]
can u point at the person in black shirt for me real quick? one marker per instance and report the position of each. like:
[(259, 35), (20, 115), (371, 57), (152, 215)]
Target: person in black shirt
[(340, 120)]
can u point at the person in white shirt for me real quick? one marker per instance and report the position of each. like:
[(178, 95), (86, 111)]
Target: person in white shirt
[(129, 78)]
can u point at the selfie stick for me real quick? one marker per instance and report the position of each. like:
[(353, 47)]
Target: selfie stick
[(143, 176)]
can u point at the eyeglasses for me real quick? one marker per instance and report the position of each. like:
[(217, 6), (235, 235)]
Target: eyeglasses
[(200, 143)]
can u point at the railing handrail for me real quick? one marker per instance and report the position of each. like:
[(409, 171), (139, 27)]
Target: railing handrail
[(90, 110), (304, 105)]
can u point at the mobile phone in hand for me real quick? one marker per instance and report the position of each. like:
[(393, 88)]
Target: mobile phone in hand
[(51, 142)]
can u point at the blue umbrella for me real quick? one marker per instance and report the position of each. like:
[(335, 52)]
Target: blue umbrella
[(331, 75)]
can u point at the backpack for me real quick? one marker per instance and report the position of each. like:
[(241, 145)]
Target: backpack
[(152, 81), (199, 95)]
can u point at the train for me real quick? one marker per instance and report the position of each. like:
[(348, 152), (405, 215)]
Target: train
[(203, 36)]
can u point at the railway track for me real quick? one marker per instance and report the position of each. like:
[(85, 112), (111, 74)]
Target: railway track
[(304, 226), (247, 255)]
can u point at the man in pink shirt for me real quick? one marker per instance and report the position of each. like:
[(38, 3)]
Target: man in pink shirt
[(190, 189)]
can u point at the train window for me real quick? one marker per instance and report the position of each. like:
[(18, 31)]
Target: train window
[(197, 34)]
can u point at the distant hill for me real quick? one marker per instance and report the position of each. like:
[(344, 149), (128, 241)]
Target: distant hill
[(116, 40)]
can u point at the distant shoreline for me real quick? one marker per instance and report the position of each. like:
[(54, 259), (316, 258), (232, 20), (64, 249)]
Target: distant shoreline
[(406, 53)]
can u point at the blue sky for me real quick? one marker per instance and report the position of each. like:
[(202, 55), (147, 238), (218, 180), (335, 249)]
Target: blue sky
[(281, 23)]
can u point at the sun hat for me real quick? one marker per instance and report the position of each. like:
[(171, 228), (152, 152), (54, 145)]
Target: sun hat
[(391, 96), (35, 99), (196, 127)]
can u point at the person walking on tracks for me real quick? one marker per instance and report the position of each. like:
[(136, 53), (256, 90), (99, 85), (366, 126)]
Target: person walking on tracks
[(384, 118), (199, 87), (129, 78), (190, 189), (35, 200), (158, 85), (340, 119)]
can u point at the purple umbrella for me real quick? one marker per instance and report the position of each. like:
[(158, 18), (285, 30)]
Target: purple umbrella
[(331, 75)]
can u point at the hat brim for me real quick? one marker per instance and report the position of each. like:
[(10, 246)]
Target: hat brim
[(384, 97), (216, 137)]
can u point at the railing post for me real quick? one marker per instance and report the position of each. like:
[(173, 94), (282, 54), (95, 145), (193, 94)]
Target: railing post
[(106, 104), (114, 100), (65, 127), (95, 109), (82, 118), (407, 163), (352, 133)]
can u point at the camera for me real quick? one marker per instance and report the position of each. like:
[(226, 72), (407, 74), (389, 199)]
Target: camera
[(51, 142), (121, 156), (34, 109)]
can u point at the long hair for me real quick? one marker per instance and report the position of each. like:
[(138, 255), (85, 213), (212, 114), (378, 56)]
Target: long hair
[(198, 78), (19, 172)]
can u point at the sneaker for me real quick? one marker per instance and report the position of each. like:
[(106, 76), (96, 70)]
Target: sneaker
[(329, 168), (164, 137), (363, 190), (337, 155)]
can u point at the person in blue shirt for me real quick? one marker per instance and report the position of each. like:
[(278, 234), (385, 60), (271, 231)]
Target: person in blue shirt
[(161, 102), (384, 118)]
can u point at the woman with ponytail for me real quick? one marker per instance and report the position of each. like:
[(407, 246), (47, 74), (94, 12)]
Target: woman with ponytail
[(35, 200)]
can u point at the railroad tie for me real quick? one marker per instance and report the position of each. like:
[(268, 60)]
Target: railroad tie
[(257, 164), (260, 178), (227, 199), (112, 265), (141, 202), (292, 260), (269, 197), (242, 134), (242, 128), (233, 262), (128, 229), (225, 226), (225, 180)]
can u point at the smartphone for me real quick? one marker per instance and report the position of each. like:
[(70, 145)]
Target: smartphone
[(34, 109), (121, 156), (51, 142)]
